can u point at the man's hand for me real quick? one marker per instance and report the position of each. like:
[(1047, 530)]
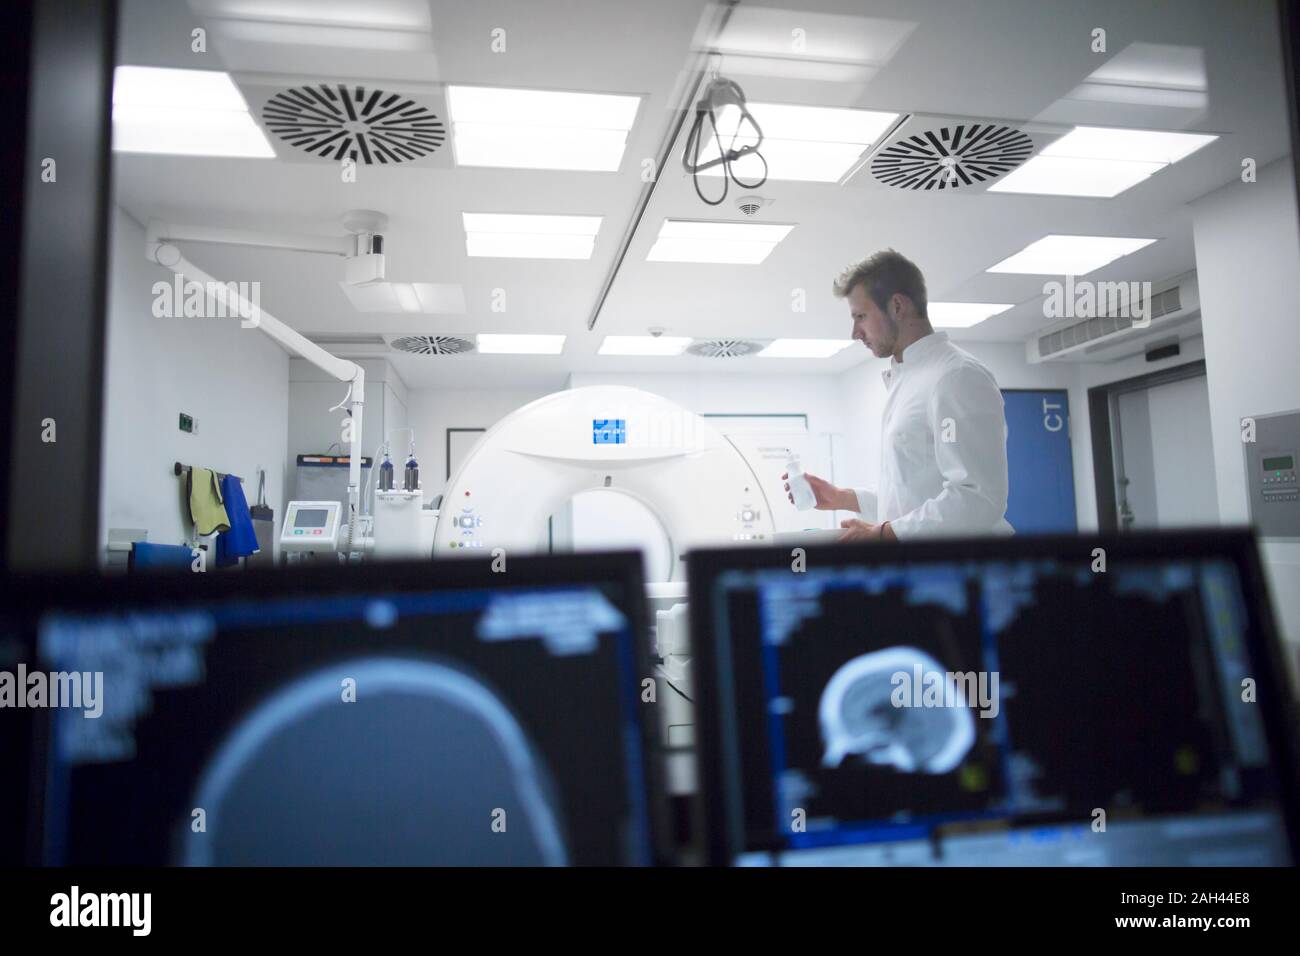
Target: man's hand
[(829, 498), (855, 530)]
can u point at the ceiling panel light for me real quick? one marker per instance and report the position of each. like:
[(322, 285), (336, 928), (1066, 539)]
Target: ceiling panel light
[(644, 345), (498, 344), (1069, 255), (183, 112), (539, 129), (1067, 176), (962, 315), (804, 348), (735, 243), (1099, 161), (1140, 145), (807, 143), (515, 236), (426, 298)]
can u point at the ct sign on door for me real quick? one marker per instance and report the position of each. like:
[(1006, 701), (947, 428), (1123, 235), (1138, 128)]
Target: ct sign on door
[(1041, 468)]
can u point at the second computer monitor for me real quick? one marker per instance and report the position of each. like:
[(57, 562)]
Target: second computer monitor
[(1035, 701)]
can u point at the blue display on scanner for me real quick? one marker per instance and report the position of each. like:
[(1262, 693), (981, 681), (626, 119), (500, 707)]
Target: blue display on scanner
[(608, 431)]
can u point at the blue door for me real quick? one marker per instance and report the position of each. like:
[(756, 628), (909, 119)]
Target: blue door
[(1039, 462)]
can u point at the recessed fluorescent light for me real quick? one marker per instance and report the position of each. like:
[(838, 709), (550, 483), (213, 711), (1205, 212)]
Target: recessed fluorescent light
[(1101, 162), (736, 243), (1139, 145), (179, 89), (1067, 176), (253, 29), (515, 236), (411, 297), (644, 345), (183, 112), (498, 344), (808, 143), (804, 348), (962, 315), (1069, 255), (539, 129)]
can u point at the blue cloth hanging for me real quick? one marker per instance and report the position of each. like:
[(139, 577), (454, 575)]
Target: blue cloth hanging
[(241, 540)]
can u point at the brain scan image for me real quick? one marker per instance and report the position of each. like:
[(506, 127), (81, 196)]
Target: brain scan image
[(860, 715)]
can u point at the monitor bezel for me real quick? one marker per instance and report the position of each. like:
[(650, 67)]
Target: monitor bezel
[(714, 842)]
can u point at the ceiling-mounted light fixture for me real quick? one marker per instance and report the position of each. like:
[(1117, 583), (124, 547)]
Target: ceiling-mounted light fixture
[(804, 348), (736, 243), (540, 129), (1101, 162), (723, 105), (1069, 255), (962, 315), (183, 113)]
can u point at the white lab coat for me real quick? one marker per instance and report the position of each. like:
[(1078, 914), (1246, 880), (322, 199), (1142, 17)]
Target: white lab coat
[(943, 463)]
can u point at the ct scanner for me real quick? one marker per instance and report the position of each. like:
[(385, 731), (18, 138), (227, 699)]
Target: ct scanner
[(528, 465), (687, 473)]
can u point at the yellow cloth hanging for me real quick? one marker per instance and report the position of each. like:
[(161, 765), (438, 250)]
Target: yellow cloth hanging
[(206, 508)]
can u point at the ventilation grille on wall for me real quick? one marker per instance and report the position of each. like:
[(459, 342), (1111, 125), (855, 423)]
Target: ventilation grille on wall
[(432, 344), (724, 348), (327, 339), (952, 156), (1088, 330), (371, 126)]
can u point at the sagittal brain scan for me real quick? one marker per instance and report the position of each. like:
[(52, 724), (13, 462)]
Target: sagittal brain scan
[(876, 705), (863, 713)]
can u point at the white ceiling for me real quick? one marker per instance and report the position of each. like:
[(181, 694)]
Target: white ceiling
[(1020, 61)]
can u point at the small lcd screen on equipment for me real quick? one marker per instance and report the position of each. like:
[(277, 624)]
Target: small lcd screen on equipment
[(312, 518), (608, 431), (1283, 463)]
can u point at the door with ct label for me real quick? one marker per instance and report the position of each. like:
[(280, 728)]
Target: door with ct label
[(1039, 463)]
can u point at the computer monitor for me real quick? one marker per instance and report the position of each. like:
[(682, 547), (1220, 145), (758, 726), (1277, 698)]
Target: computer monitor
[(1038, 700), (391, 714)]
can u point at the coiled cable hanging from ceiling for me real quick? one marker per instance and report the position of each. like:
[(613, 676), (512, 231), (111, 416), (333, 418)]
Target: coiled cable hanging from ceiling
[(718, 95)]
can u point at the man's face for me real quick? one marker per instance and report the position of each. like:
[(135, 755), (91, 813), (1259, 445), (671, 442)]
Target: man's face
[(872, 327)]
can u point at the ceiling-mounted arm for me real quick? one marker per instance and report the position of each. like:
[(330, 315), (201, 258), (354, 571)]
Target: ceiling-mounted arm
[(159, 232), (169, 257)]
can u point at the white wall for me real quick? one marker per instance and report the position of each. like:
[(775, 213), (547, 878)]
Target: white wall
[(1248, 263), (431, 411), (233, 381), (313, 428), (729, 393)]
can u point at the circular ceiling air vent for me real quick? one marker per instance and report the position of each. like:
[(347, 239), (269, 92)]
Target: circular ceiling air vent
[(371, 126), (433, 345), (952, 156), (724, 348)]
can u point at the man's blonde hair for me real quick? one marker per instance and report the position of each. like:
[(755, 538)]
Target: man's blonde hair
[(882, 276)]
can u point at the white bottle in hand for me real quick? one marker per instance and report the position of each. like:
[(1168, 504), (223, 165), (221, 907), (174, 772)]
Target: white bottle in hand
[(804, 499)]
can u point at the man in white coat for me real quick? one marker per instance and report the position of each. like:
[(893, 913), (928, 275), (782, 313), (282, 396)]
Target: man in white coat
[(943, 463)]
